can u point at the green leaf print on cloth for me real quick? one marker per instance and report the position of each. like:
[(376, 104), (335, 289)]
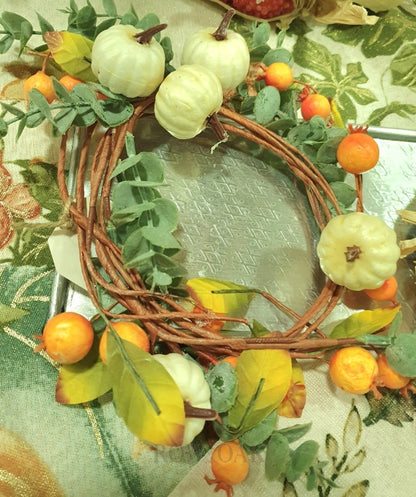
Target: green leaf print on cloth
[(386, 37), (343, 87)]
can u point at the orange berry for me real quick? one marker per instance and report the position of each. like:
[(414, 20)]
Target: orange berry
[(229, 464), (387, 291), (42, 82), (231, 359), (279, 75), (67, 337), (129, 331), (388, 377), (353, 369), (357, 153), (315, 104), (69, 81)]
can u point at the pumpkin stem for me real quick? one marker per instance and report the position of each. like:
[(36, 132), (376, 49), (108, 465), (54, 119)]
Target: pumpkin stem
[(352, 253), (199, 412), (221, 33), (146, 36), (217, 127)]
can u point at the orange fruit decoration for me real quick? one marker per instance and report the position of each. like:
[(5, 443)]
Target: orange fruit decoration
[(126, 330), (231, 359), (69, 81), (387, 291), (388, 377), (354, 370), (67, 337), (230, 465), (279, 75), (315, 104), (357, 152), (42, 82)]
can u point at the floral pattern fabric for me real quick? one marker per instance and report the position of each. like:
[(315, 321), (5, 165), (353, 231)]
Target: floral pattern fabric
[(52, 450)]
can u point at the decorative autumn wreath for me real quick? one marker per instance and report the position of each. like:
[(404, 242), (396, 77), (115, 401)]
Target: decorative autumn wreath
[(135, 278)]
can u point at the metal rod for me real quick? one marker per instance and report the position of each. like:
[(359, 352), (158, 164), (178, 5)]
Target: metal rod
[(60, 284), (405, 135)]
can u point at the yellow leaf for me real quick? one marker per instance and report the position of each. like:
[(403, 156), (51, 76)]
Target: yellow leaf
[(336, 116), (83, 381), (365, 322), (222, 297), (72, 52), (263, 378), (295, 398), (145, 395)]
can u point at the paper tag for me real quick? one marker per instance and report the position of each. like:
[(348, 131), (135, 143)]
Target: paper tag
[(65, 253)]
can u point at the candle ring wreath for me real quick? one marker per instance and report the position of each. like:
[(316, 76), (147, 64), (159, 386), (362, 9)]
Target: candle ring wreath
[(162, 352)]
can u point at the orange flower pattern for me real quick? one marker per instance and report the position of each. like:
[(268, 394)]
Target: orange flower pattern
[(16, 202)]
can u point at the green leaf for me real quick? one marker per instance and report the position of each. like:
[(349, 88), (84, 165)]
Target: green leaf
[(15, 111), (3, 127), (63, 120), (9, 314), (278, 55), (130, 213), (267, 104), (263, 378), (295, 432), (13, 23), (401, 355), (302, 458), (365, 322), (112, 113), (5, 43), (159, 237), (261, 34), (145, 395), (86, 20), (277, 456), (39, 102), (110, 8), (44, 24), (83, 381), (258, 330), (344, 193), (260, 432), (222, 381), (26, 31)]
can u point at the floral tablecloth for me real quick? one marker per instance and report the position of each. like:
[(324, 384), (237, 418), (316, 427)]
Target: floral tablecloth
[(47, 449)]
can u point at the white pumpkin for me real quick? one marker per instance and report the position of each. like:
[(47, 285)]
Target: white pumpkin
[(358, 251), (194, 389), (126, 66), (228, 58), (186, 99)]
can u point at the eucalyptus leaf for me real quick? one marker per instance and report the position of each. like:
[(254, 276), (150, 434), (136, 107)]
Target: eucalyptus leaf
[(344, 193), (44, 24), (26, 31), (130, 213), (401, 355), (3, 127), (112, 113), (15, 111), (63, 120), (295, 432), (103, 26), (267, 104), (261, 432), (277, 456), (302, 458), (5, 43), (278, 55), (110, 8), (222, 381), (159, 236), (86, 19), (165, 214), (40, 102), (12, 23), (261, 34)]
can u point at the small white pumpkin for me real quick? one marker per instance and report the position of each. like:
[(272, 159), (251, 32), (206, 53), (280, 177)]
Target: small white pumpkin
[(228, 58), (126, 66), (186, 99), (195, 390), (358, 251)]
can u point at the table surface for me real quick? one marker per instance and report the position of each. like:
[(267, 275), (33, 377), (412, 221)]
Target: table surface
[(86, 450)]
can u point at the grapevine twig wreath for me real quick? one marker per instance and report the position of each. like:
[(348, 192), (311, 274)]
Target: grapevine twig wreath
[(180, 373), (171, 322)]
